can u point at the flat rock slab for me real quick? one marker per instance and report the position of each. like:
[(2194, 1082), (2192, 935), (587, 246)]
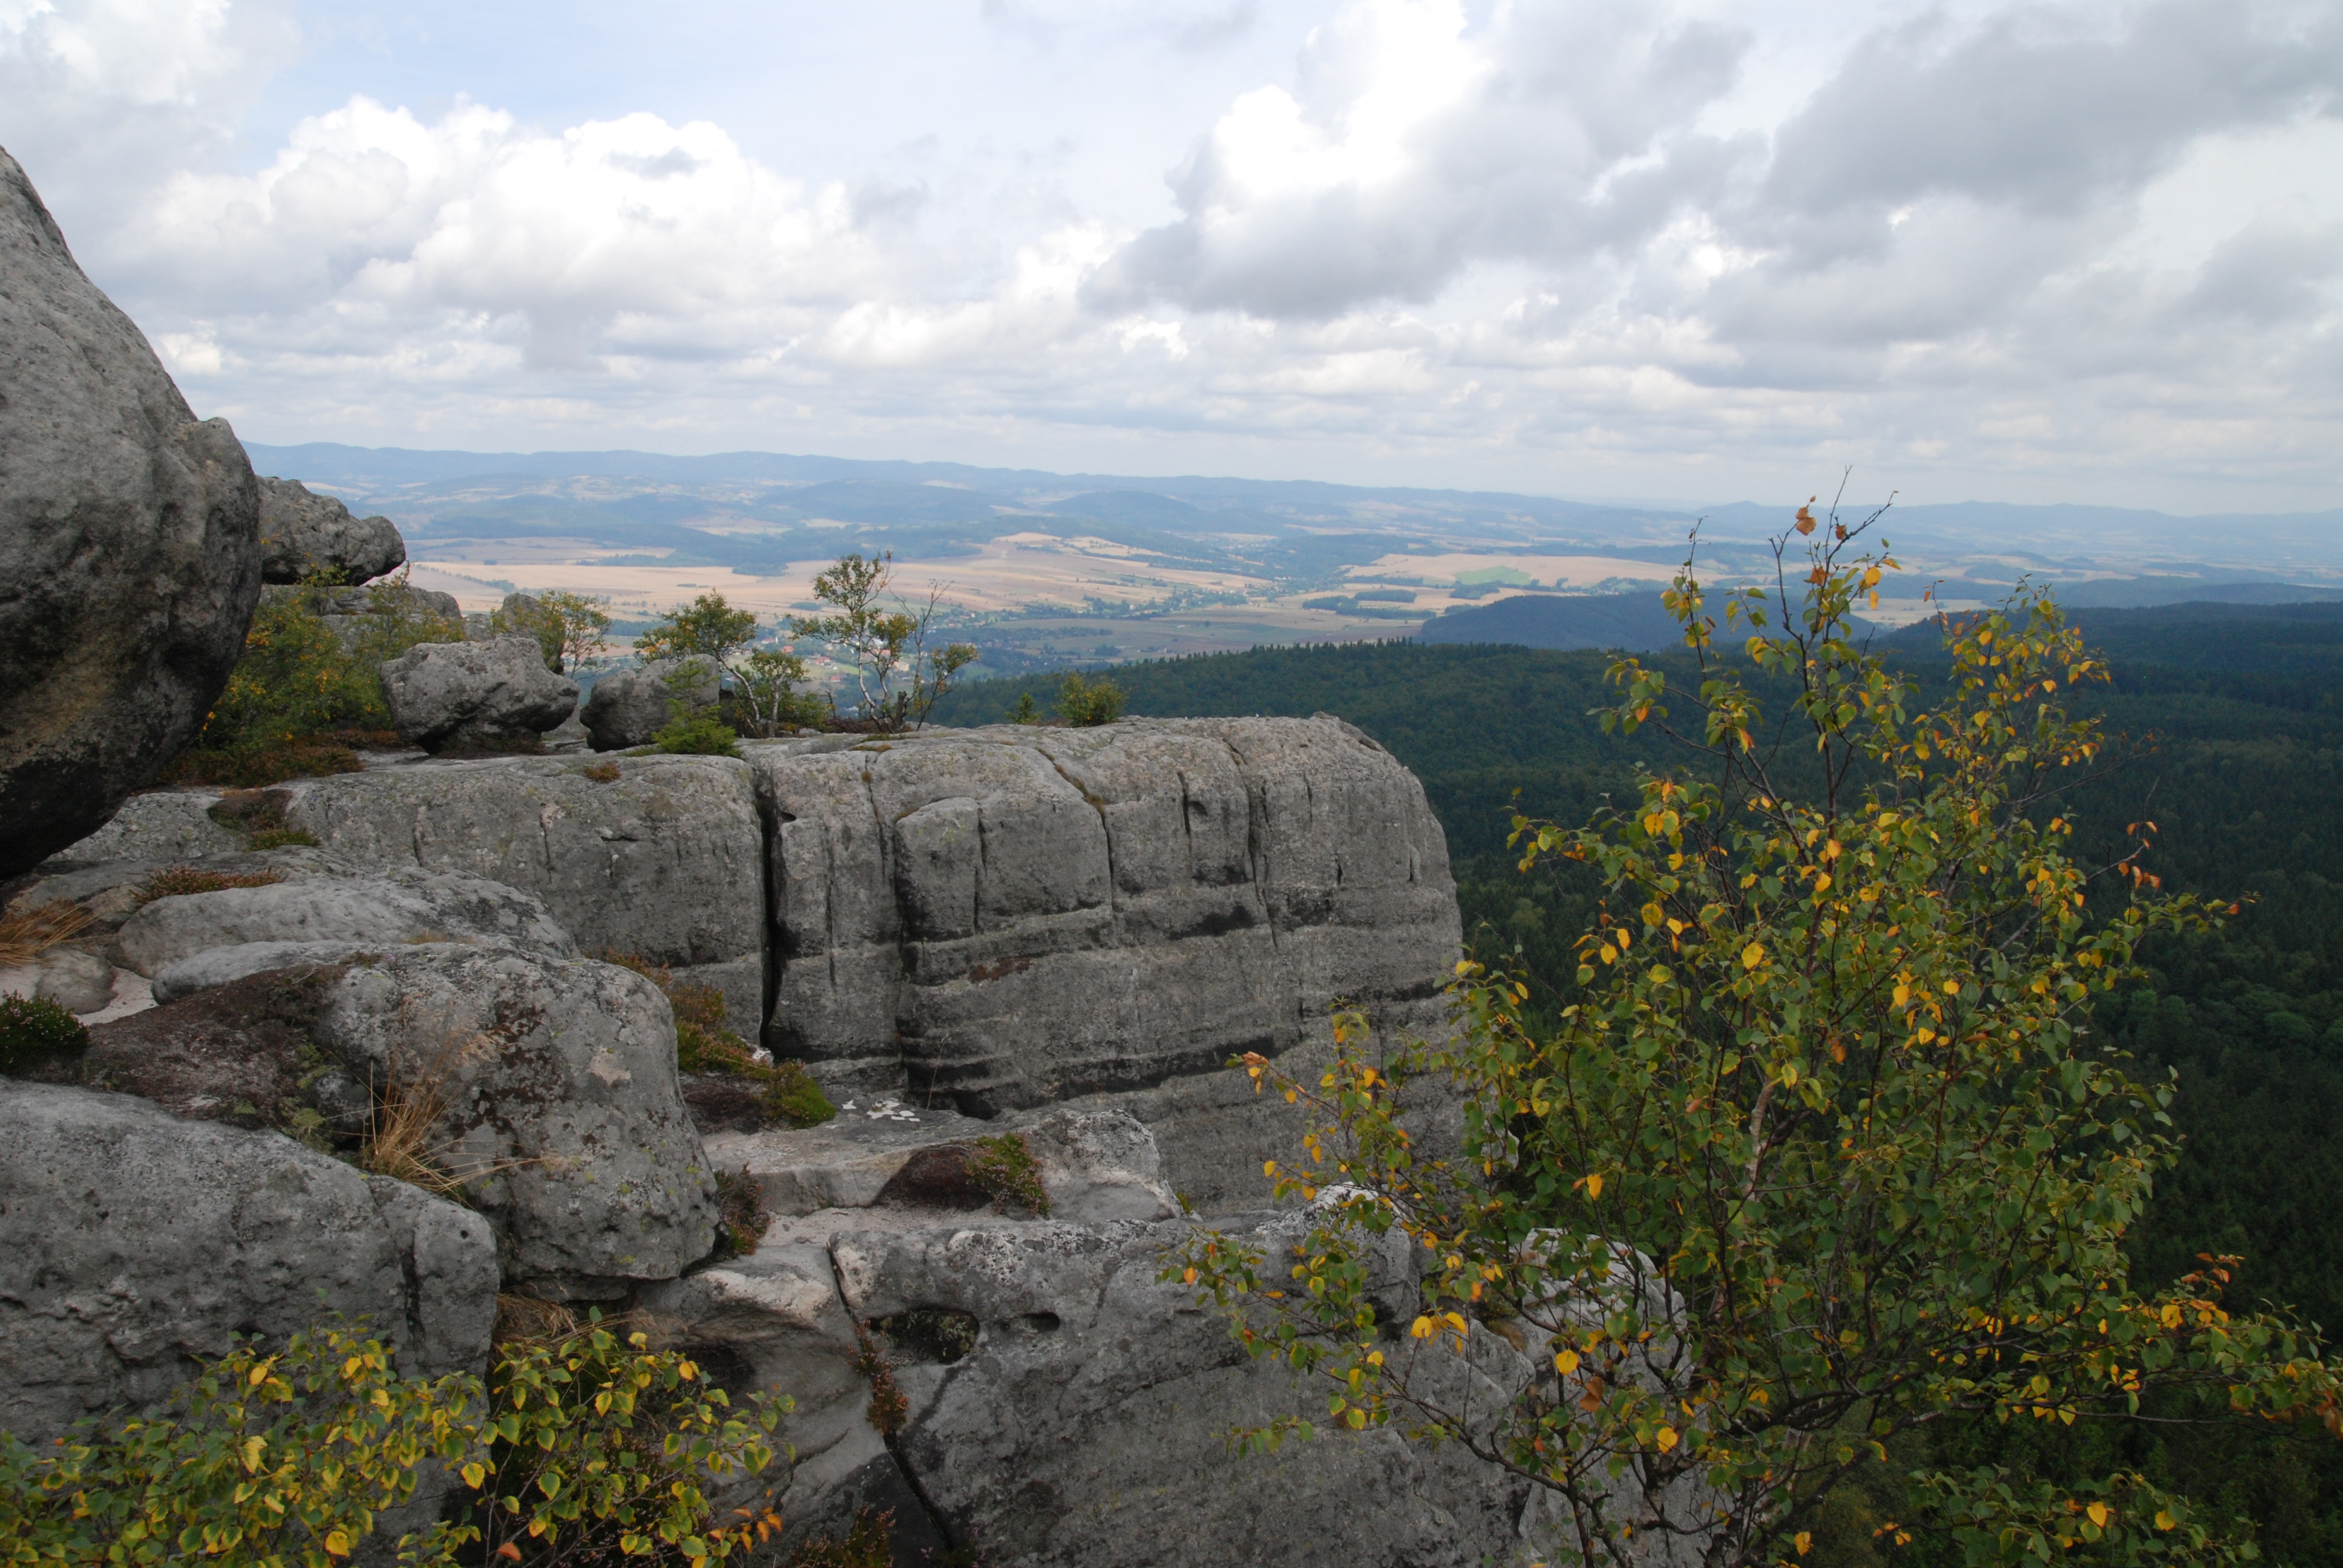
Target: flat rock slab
[(662, 859), (385, 906), (1095, 1166)]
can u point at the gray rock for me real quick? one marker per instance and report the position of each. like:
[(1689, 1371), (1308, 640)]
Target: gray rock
[(385, 907), (554, 1087), (75, 980), (1010, 917), (444, 694), (665, 859), (214, 967), (302, 532), (164, 826), (133, 1243), (1097, 1167), (628, 707), (1088, 1424), (129, 546)]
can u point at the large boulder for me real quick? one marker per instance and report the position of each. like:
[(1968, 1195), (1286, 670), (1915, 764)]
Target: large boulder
[(302, 532), (133, 1243), (446, 695), (549, 1088), (129, 546), (628, 707), (384, 907), (660, 856), (1010, 917)]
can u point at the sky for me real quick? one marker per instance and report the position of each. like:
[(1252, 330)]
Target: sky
[(1625, 250)]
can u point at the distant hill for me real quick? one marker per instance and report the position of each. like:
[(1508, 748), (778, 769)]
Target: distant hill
[(2290, 639), (1635, 622)]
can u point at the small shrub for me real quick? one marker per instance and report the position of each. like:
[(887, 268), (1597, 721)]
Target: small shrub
[(793, 1096), (601, 772), (285, 839), (578, 1448), (742, 1215), (25, 937), (1005, 1167), (700, 736), (703, 1044), (869, 1543), (1026, 713), (1086, 703), (180, 880), (33, 1032), (889, 1405)]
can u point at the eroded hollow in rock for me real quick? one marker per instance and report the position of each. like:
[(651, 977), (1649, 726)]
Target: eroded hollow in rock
[(932, 1333)]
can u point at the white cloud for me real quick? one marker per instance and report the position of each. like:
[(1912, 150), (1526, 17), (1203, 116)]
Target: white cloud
[(2033, 252)]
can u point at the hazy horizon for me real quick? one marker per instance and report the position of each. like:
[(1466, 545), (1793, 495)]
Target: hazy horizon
[(2080, 251)]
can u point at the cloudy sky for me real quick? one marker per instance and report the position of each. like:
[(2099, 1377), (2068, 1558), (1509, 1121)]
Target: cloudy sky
[(1600, 248)]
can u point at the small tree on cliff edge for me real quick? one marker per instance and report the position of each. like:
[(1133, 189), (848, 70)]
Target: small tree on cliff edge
[(1820, 1153)]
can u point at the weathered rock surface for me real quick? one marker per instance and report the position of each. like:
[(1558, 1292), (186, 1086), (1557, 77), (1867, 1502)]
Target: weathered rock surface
[(454, 694), (129, 546), (243, 1053), (385, 906), (554, 1086), (1009, 917), (628, 707), (664, 860), (1076, 1413), (132, 1243), (76, 981), (166, 827), (302, 532)]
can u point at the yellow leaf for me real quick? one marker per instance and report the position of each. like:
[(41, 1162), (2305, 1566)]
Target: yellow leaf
[(337, 1544), (474, 1475), (1565, 1361), (252, 1449), (1423, 1328), (1594, 1186), (2098, 1513), (1753, 955), (1665, 1438), (2171, 1315), (1804, 1539), (2164, 1520)]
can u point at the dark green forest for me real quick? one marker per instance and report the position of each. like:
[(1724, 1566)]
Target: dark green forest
[(2231, 727)]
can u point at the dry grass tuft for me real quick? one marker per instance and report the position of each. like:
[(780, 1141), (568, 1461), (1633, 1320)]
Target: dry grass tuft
[(180, 880), (25, 937), (401, 1138), (532, 1320)]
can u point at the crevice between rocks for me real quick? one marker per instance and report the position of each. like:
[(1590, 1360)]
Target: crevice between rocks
[(911, 1482)]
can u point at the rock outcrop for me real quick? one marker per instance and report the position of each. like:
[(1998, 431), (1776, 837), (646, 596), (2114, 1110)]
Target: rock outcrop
[(1011, 917), (628, 707), (129, 546), (302, 533), (661, 856), (133, 1242), (452, 695)]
